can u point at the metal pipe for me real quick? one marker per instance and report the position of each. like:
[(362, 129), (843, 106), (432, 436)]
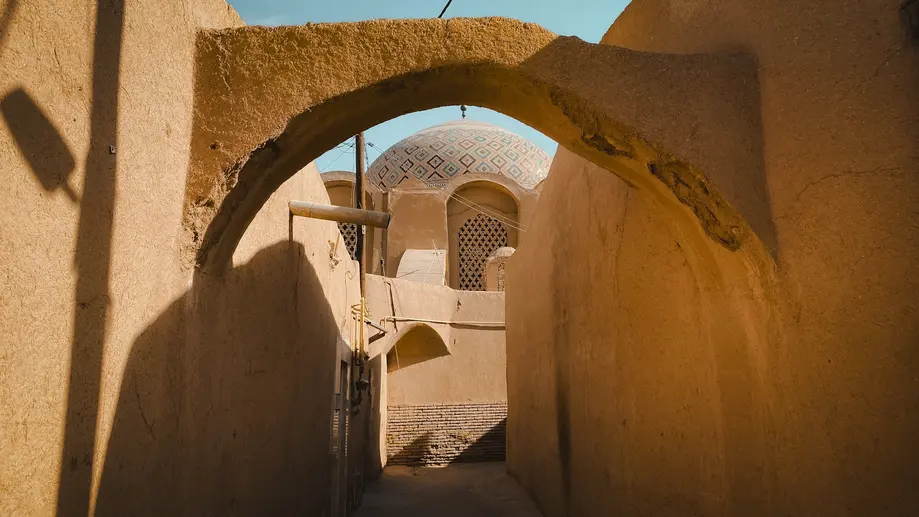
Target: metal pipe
[(491, 324), (374, 325), (359, 204), (340, 214)]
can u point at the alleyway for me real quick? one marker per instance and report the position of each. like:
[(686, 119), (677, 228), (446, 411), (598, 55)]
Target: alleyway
[(461, 490)]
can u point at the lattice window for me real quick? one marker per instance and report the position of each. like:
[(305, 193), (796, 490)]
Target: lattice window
[(479, 237), (349, 234)]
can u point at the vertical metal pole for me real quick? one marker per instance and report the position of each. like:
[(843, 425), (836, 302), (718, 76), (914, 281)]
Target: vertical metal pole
[(359, 200)]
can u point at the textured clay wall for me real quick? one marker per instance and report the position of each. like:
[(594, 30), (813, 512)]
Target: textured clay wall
[(454, 407), (419, 222), (673, 379), (621, 360), (215, 411), (475, 370), (127, 383), (420, 218), (465, 368)]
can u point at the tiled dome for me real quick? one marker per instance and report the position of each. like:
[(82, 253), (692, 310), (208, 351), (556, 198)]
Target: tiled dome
[(438, 154)]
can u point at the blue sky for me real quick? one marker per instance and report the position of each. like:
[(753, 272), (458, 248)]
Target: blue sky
[(588, 21)]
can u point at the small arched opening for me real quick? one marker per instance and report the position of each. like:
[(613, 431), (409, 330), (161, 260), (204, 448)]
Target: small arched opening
[(482, 217), (415, 343)]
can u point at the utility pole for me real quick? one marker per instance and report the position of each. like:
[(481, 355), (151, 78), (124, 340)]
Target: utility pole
[(358, 361), (359, 203)]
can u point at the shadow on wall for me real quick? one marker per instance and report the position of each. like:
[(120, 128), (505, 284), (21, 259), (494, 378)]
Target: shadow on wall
[(53, 163), (49, 157), (456, 446), (488, 447), (226, 399), (415, 453), (5, 20), (92, 257)]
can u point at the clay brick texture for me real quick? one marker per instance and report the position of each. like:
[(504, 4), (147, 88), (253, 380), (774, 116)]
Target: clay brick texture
[(440, 434)]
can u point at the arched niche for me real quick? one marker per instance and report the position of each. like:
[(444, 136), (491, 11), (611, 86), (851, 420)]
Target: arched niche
[(340, 187), (482, 217), (413, 344)]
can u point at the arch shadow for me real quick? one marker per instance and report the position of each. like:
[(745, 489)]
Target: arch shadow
[(229, 415)]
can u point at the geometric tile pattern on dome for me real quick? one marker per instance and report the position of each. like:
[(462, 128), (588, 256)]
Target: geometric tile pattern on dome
[(438, 154), (478, 238)]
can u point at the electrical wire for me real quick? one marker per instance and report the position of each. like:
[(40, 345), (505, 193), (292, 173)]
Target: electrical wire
[(367, 155), (467, 202), (490, 212), (518, 228), (497, 324), (445, 8), (480, 209), (431, 263), (342, 153)]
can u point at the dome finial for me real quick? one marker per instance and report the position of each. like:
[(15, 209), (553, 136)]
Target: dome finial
[(463, 110)]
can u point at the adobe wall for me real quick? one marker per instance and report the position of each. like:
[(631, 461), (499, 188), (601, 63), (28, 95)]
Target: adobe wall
[(474, 370), (677, 379), (419, 221), (420, 215), (625, 385), (111, 350), (450, 385), (215, 413)]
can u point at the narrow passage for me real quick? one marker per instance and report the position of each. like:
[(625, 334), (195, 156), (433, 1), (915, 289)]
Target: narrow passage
[(459, 490)]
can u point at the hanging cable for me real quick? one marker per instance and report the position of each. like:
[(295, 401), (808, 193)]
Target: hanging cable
[(493, 324), (431, 263), (375, 148), (342, 153), (367, 156), (445, 8), (514, 226), (479, 208), (481, 211), (490, 212)]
